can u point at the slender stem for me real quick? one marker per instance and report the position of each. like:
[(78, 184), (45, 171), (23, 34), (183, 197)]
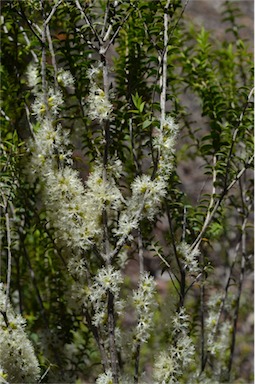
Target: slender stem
[(9, 253), (217, 203), (140, 252), (98, 38), (137, 362), (105, 19), (54, 8), (234, 136), (43, 64), (53, 57), (112, 340), (202, 320), (163, 64)]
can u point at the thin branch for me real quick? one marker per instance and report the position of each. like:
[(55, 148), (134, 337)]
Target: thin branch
[(30, 24), (234, 136), (137, 362), (98, 38), (140, 252), (163, 64), (9, 254), (54, 8), (103, 50), (217, 204), (112, 338), (105, 18), (53, 57)]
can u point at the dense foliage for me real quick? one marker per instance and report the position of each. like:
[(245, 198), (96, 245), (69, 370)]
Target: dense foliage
[(126, 194)]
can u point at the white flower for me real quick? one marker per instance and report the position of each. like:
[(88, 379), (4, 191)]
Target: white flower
[(99, 105), (65, 78), (109, 279), (153, 192), (168, 125), (54, 100), (164, 142), (165, 368), (17, 355), (190, 257), (143, 299), (105, 378), (94, 72), (32, 75)]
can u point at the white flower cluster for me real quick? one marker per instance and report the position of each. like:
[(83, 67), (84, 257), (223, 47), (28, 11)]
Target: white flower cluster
[(107, 280), (103, 192), (74, 215), (53, 102), (33, 76), (17, 357), (99, 105), (170, 364), (48, 148), (217, 344), (143, 299), (165, 143), (144, 202), (189, 257), (65, 78), (105, 378), (151, 190)]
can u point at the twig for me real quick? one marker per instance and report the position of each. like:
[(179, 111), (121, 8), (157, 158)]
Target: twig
[(198, 240), (163, 64), (235, 135), (105, 19), (137, 362), (43, 64), (30, 24), (98, 38), (103, 50), (112, 339), (140, 252), (54, 8), (9, 254), (53, 57), (240, 283)]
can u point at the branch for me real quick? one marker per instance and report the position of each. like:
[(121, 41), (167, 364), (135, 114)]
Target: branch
[(52, 12), (78, 5), (9, 254), (217, 203)]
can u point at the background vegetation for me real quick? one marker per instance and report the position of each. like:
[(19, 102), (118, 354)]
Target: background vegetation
[(159, 64)]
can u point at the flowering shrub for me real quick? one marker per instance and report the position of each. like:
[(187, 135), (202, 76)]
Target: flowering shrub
[(95, 135)]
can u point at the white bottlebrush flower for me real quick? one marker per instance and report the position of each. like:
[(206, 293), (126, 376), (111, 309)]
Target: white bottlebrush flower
[(109, 279), (72, 213), (143, 299), (32, 75), (65, 78), (165, 369), (171, 363), (98, 104), (104, 192), (127, 222), (53, 100), (105, 378), (17, 357), (190, 257), (164, 142), (153, 192), (94, 72), (168, 125)]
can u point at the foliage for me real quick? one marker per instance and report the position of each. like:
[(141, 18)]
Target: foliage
[(105, 104)]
